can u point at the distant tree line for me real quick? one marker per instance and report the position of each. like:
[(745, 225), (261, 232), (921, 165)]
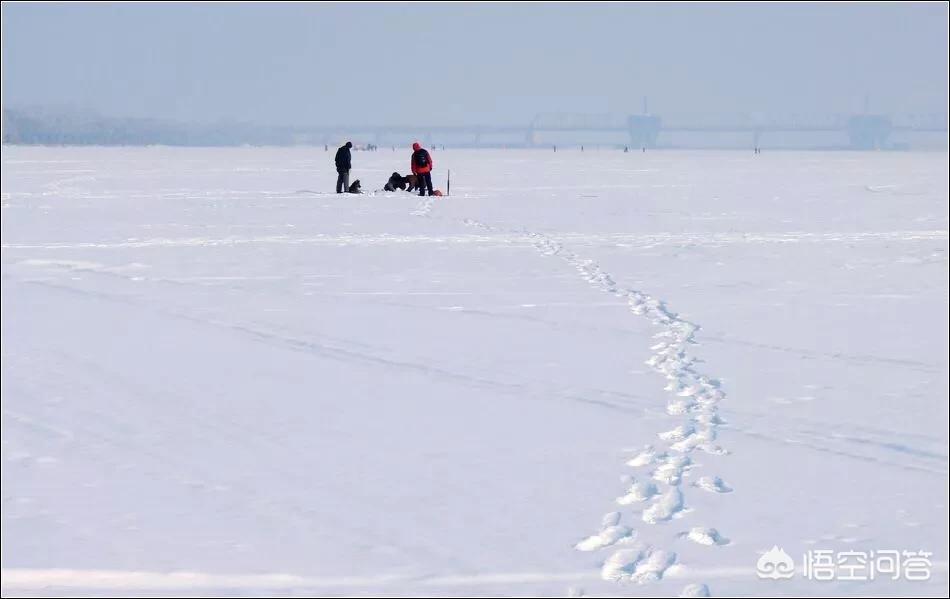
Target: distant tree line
[(52, 127)]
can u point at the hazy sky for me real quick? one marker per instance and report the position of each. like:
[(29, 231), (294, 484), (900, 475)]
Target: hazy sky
[(472, 63)]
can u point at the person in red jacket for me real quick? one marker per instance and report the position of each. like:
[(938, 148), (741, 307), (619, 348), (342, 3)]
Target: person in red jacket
[(421, 164)]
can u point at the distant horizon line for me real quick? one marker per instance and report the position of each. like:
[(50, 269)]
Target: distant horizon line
[(754, 116), (58, 127), (580, 148)]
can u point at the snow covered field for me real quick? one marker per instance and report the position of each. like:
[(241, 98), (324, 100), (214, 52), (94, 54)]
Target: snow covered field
[(579, 373)]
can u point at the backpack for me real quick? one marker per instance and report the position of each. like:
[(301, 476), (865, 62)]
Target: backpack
[(422, 159)]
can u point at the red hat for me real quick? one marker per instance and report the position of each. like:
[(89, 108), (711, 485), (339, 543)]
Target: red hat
[(416, 146)]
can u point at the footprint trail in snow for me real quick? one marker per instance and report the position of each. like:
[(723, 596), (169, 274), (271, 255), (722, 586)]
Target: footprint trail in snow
[(658, 491)]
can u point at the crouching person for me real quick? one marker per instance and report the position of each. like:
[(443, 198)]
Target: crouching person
[(396, 181)]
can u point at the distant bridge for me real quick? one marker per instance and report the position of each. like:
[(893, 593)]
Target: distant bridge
[(863, 131)]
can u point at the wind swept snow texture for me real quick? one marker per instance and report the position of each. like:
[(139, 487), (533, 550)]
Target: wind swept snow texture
[(580, 373)]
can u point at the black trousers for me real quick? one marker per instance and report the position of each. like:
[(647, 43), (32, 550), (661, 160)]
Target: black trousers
[(425, 182), (342, 181)]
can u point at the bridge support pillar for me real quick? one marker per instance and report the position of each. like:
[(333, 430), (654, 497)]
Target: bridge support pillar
[(643, 130), (869, 131)]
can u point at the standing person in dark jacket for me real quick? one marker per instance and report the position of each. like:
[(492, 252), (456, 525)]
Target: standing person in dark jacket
[(421, 164), (343, 167)]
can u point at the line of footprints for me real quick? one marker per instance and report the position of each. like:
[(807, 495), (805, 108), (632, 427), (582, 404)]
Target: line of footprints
[(656, 488)]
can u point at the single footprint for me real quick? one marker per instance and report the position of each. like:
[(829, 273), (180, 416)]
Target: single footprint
[(671, 469), (695, 590), (713, 484), (653, 566), (607, 537), (646, 457), (621, 565), (678, 434), (611, 533), (666, 506), (705, 536), (638, 492)]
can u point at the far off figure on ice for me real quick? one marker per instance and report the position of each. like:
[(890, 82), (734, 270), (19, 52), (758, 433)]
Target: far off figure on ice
[(421, 165), (343, 163)]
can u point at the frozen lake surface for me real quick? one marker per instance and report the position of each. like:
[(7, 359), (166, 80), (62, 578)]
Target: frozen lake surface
[(584, 372)]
